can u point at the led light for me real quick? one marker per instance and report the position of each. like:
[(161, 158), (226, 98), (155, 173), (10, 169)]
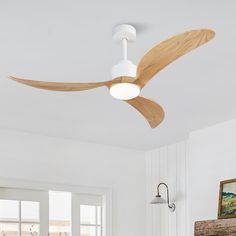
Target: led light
[(124, 91)]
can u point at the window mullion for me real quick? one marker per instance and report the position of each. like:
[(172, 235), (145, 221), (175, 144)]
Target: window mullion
[(100, 220), (19, 218), (79, 212), (96, 221)]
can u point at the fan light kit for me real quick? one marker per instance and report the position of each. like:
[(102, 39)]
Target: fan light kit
[(127, 78), (124, 91)]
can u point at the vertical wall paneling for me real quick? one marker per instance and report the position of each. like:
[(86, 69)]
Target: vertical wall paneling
[(167, 164), (156, 223), (172, 183), (163, 171), (149, 217), (181, 187)]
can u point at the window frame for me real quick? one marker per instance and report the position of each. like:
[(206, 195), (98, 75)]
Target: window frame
[(84, 199), (24, 195), (106, 194)]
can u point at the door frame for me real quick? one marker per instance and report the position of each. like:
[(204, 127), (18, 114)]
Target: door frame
[(106, 194)]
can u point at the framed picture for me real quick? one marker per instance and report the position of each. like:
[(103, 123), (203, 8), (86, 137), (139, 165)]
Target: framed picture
[(227, 199)]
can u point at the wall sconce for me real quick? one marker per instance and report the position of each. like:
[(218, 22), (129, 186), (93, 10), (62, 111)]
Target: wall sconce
[(159, 200)]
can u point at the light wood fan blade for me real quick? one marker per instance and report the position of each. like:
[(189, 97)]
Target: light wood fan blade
[(59, 86), (152, 111), (168, 51)]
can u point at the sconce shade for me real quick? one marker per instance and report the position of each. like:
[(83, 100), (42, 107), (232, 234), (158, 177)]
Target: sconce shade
[(158, 200)]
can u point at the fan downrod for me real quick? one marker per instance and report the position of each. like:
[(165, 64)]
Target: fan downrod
[(124, 33)]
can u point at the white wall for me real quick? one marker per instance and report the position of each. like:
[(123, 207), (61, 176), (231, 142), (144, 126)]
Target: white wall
[(193, 169), (45, 159), (212, 158)]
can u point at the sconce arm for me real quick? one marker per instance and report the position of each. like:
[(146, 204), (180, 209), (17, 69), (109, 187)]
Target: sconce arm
[(172, 205)]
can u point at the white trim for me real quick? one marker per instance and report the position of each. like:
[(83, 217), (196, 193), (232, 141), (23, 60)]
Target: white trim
[(88, 199), (75, 211), (35, 185)]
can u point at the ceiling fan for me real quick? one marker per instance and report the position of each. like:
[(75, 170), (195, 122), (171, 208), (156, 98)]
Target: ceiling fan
[(128, 79)]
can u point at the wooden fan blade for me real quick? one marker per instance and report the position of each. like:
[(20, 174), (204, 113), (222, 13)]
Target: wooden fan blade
[(152, 111), (59, 86), (168, 51)]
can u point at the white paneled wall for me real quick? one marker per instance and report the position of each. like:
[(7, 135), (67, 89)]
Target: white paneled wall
[(167, 164)]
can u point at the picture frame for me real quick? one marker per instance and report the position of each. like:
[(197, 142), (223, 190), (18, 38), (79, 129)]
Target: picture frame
[(227, 199)]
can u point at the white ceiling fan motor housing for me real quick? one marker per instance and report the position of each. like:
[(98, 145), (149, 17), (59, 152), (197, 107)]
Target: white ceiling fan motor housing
[(124, 68)]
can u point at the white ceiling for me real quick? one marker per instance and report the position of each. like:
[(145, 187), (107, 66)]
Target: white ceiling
[(61, 40)]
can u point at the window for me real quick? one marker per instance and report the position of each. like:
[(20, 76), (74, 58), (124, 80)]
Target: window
[(74, 214), (20, 215), (90, 220), (59, 213), (9, 217), (34, 213), (87, 215), (19, 218)]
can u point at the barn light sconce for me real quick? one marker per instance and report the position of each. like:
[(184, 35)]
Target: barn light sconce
[(159, 200)]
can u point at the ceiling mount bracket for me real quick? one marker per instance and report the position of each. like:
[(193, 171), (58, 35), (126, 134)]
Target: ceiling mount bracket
[(124, 31)]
